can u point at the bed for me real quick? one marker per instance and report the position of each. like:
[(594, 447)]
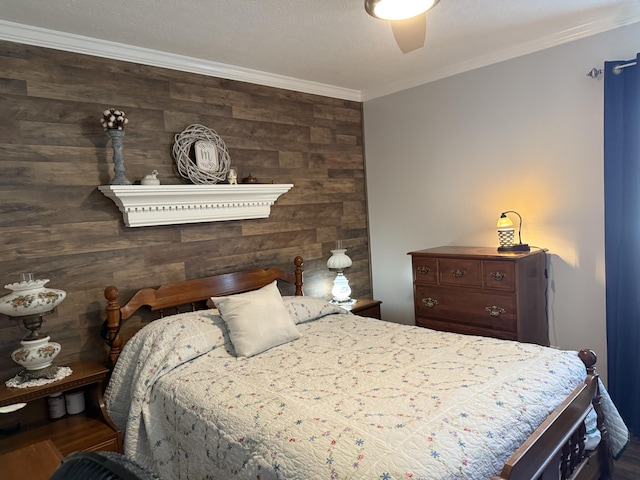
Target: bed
[(308, 390)]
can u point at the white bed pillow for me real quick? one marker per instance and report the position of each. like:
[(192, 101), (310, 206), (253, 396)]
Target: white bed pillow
[(304, 309), (257, 320)]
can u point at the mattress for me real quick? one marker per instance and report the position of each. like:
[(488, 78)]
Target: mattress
[(353, 397)]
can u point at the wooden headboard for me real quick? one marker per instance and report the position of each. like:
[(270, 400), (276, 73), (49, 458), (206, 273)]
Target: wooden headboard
[(189, 293)]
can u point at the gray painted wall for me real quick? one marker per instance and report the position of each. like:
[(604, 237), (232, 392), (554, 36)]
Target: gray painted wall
[(445, 159)]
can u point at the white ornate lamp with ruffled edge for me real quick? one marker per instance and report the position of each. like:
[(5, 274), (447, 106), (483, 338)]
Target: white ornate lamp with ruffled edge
[(338, 262)]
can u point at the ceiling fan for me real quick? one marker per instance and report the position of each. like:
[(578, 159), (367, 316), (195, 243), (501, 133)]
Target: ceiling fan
[(408, 19)]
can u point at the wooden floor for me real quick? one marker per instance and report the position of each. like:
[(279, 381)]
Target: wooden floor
[(628, 466)]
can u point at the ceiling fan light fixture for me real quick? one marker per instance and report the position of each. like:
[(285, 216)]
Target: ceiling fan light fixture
[(397, 9)]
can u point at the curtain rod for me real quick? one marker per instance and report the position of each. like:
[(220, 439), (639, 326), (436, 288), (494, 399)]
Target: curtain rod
[(617, 70)]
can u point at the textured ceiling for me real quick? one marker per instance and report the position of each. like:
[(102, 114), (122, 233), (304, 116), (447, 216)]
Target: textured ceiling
[(328, 42)]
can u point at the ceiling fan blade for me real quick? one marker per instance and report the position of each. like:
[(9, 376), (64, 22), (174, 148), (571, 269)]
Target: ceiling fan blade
[(410, 33)]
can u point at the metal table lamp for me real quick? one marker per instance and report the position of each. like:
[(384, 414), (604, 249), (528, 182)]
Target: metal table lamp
[(506, 233)]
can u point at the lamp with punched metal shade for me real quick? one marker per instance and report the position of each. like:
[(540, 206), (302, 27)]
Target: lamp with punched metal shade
[(506, 233)]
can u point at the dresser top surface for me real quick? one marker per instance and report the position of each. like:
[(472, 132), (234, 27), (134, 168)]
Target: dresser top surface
[(476, 252)]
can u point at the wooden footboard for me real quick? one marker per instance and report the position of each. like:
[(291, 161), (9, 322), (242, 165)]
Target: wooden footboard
[(190, 295), (556, 449)]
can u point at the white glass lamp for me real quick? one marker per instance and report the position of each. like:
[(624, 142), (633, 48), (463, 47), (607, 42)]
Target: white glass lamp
[(397, 9), (341, 290), (506, 234), (29, 301)]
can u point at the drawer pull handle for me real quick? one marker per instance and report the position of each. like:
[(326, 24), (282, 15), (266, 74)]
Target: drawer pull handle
[(423, 270), (430, 302), (495, 311), (457, 272), (498, 276)]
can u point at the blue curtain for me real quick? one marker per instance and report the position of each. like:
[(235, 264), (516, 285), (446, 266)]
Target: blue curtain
[(622, 235)]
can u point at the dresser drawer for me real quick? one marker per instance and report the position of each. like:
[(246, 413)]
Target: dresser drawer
[(460, 272), (488, 310), (107, 445), (499, 276), (425, 270)]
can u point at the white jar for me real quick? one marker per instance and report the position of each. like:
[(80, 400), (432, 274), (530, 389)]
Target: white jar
[(151, 179), (57, 406), (75, 402)]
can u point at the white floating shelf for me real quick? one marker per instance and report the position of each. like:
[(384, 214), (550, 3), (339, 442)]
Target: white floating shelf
[(146, 205)]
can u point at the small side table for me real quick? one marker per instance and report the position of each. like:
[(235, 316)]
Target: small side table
[(90, 430), (366, 307), (35, 462)]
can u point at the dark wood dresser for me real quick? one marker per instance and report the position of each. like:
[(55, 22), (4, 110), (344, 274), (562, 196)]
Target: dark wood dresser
[(480, 291)]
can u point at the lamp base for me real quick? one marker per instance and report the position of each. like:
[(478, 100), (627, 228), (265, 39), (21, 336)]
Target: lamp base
[(49, 373), (35, 355), (522, 247)]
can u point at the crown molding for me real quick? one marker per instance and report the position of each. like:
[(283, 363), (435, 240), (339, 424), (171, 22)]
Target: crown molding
[(617, 18), (40, 37), (30, 35)]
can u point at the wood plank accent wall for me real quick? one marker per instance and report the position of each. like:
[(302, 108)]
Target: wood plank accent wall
[(54, 154)]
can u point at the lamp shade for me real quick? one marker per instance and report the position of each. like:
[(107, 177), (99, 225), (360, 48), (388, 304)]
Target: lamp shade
[(397, 9), (504, 222), (29, 298), (338, 260)]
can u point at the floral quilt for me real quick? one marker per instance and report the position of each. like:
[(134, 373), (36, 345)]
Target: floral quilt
[(353, 398)]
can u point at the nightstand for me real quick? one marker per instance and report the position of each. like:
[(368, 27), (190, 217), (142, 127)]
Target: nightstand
[(33, 462), (366, 307), (90, 430)]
